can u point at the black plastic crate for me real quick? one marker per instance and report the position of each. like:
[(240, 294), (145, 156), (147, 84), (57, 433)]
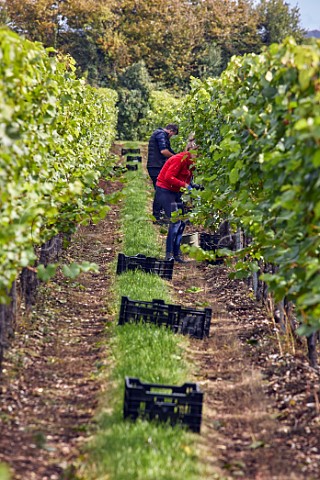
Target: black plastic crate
[(134, 158), (187, 321), (209, 241), (163, 268), (214, 241), (132, 167), (117, 168), (164, 403), (125, 151)]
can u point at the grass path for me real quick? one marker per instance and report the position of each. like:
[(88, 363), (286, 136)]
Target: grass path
[(141, 450)]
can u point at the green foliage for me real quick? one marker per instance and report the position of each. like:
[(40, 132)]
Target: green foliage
[(134, 93), (163, 109), (45, 273), (45, 21), (229, 28), (278, 20), (136, 77), (258, 127), (210, 64), (56, 133)]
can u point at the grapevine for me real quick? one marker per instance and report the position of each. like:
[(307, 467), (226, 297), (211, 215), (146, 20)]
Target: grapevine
[(56, 132), (258, 127)]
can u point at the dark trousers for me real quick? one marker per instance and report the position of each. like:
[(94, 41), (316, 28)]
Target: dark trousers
[(171, 202), (156, 207)]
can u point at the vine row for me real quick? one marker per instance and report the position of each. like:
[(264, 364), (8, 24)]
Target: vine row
[(258, 126), (56, 134)]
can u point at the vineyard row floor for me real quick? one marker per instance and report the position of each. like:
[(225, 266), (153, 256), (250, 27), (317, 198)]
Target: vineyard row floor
[(261, 417)]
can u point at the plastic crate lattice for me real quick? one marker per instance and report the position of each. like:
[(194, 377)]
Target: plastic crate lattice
[(163, 268), (134, 158), (165, 403), (186, 321), (132, 167), (126, 151)]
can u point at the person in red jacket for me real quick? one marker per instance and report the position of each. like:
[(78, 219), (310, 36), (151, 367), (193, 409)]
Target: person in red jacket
[(176, 174)]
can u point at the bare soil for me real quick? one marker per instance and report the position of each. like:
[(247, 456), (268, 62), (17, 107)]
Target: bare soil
[(49, 384), (261, 418)]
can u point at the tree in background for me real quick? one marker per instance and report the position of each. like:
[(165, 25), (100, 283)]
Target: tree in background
[(74, 26), (175, 38), (137, 46), (36, 20), (163, 33), (230, 25), (164, 108), (278, 21), (83, 26), (210, 64), (134, 92)]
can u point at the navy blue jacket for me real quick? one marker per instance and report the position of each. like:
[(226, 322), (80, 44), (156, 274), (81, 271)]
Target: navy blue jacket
[(159, 140)]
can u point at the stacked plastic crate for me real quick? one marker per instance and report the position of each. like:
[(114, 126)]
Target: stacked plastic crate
[(132, 156)]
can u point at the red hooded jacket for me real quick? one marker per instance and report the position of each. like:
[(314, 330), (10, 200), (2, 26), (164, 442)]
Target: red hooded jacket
[(176, 172)]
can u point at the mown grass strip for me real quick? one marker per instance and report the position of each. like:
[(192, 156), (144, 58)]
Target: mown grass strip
[(142, 450), (139, 234)]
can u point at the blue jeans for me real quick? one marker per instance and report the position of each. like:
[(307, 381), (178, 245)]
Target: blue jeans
[(171, 202), (156, 207)]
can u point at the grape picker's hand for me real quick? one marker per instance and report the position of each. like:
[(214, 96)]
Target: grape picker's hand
[(196, 186)]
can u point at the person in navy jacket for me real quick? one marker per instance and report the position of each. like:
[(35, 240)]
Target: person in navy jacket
[(159, 150), (176, 174)]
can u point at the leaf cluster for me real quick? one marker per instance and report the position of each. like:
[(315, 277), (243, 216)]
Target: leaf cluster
[(56, 132), (134, 91), (163, 108), (259, 130)]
